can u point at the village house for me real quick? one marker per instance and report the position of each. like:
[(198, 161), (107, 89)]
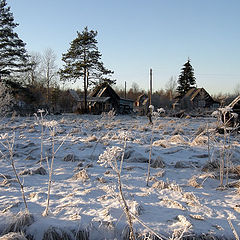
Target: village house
[(142, 104), (103, 99), (195, 99), (231, 113)]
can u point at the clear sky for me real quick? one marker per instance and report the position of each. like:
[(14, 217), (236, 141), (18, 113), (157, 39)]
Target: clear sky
[(136, 35)]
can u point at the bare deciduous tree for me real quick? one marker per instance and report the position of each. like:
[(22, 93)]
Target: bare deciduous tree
[(171, 87), (34, 72), (49, 68)]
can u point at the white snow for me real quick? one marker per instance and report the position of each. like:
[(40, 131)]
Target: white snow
[(84, 193)]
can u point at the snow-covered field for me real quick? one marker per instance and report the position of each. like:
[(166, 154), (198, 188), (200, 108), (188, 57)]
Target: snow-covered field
[(180, 198)]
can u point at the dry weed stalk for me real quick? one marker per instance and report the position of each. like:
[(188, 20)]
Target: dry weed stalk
[(52, 127), (40, 120), (110, 157), (9, 146)]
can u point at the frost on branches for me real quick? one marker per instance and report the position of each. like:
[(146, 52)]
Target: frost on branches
[(110, 157), (6, 100)]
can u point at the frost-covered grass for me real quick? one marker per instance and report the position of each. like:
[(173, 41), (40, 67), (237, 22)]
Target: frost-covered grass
[(182, 198)]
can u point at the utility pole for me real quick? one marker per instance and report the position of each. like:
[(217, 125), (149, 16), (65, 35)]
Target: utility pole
[(125, 90), (150, 94)]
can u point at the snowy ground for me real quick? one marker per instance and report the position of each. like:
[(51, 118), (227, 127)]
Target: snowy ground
[(84, 195)]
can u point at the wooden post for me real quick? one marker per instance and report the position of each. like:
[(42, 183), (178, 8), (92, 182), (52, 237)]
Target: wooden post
[(125, 90), (150, 94)]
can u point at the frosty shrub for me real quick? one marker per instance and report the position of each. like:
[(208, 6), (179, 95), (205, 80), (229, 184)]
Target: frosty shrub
[(6, 100)]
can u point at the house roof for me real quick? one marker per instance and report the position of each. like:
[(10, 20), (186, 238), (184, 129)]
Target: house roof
[(193, 92), (141, 96), (234, 102), (196, 92), (104, 90), (190, 92)]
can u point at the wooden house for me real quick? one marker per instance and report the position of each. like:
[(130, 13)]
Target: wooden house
[(235, 108), (196, 99), (235, 105), (142, 104), (103, 99)]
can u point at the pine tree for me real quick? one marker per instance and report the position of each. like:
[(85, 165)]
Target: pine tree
[(13, 55), (186, 79), (83, 61)]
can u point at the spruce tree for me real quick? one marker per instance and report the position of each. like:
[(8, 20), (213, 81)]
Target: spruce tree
[(186, 79), (13, 55), (83, 62)]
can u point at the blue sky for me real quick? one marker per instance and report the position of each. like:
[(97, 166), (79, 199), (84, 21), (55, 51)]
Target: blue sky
[(136, 35)]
